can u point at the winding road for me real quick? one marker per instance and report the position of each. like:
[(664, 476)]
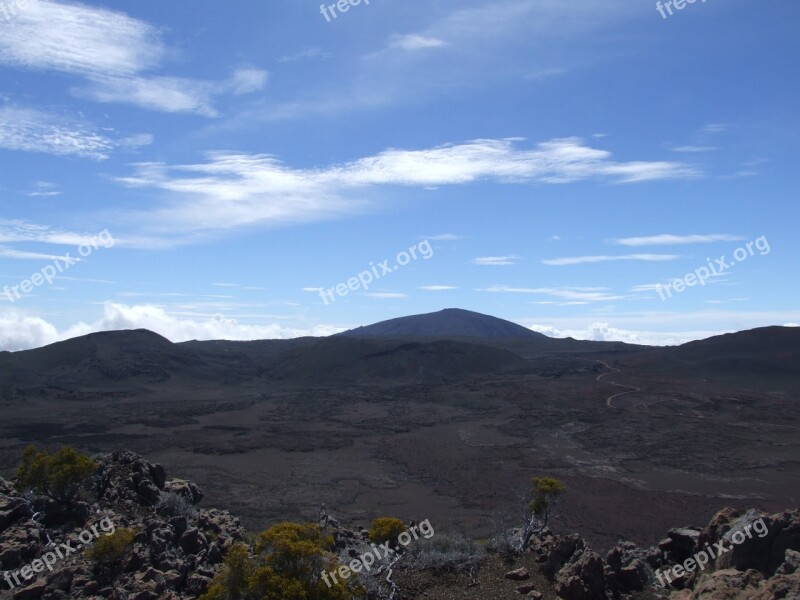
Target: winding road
[(631, 389)]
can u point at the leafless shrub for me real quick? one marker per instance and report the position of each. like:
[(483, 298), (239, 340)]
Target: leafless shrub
[(174, 505), (447, 553)]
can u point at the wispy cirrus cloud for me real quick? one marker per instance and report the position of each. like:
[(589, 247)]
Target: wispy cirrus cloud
[(15, 254), (666, 239), (307, 54), (387, 295), (581, 294), (496, 261), (694, 149), (713, 128), (44, 189), (115, 53), (580, 260), (415, 42), (443, 237), (167, 94), (30, 130), (438, 288), (16, 231), (230, 190)]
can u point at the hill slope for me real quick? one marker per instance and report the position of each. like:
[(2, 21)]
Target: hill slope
[(366, 360), (756, 354), (448, 323)]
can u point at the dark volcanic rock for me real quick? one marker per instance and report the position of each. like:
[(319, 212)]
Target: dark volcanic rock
[(170, 557)]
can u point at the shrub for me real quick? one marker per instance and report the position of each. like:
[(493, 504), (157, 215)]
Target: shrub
[(232, 582), (504, 544), (111, 548), (175, 505), (287, 564), (386, 529), (447, 553), (59, 476)]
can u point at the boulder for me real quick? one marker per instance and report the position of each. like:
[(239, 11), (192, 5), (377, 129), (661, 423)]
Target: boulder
[(32, 592), (184, 488), (582, 578), (520, 574), (159, 475), (680, 543), (192, 541)]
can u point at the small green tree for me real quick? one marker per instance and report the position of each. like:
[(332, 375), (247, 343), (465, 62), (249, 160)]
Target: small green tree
[(60, 475), (545, 494)]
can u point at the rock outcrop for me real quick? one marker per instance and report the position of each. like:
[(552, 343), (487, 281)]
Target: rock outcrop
[(175, 550), (751, 556)]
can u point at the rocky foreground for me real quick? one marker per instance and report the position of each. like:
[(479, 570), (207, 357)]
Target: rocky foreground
[(48, 552)]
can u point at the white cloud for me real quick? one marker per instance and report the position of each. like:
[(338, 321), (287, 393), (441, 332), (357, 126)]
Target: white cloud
[(444, 237), (29, 130), (20, 332), (578, 260), (727, 301), (167, 94), (694, 149), (15, 230), (80, 39), (247, 80), (555, 161), (495, 261), (138, 140), (574, 294), (387, 295), (44, 189), (714, 128), (438, 288), (115, 53), (307, 54), (603, 332), (24, 255), (231, 190), (661, 327), (675, 240), (415, 42), (647, 287)]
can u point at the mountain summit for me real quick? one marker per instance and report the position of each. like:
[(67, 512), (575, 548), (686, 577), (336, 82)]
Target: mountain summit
[(448, 323)]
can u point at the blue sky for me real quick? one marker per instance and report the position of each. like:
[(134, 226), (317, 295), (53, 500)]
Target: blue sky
[(562, 159)]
